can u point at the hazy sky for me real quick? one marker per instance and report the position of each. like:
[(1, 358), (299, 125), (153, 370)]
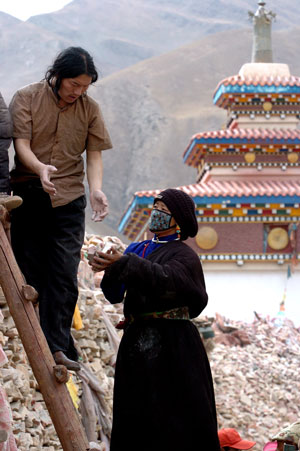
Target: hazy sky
[(23, 9)]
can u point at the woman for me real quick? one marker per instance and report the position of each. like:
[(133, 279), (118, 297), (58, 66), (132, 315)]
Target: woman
[(163, 396)]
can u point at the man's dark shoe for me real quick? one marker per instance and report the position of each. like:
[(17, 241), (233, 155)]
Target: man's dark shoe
[(61, 359)]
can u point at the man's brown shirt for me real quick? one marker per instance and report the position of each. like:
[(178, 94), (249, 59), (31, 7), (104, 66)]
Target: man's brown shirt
[(58, 136)]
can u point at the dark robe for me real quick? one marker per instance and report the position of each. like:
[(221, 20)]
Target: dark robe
[(163, 394)]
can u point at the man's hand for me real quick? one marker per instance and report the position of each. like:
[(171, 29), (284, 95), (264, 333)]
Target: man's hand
[(102, 261), (99, 205), (31, 162), (45, 175)]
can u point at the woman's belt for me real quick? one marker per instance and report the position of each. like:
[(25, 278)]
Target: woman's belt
[(175, 313)]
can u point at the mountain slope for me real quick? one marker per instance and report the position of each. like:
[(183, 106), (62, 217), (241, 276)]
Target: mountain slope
[(153, 108), (119, 33), (123, 32)]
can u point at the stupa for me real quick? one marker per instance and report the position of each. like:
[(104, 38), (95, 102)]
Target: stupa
[(247, 191)]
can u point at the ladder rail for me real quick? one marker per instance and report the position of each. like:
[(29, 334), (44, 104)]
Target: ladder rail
[(64, 416)]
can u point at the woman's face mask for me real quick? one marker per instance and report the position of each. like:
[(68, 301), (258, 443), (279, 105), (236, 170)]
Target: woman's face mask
[(159, 221)]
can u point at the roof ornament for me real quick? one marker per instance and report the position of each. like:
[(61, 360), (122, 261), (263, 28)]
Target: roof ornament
[(262, 39)]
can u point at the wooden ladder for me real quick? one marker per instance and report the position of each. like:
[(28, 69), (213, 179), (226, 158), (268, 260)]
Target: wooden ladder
[(50, 377)]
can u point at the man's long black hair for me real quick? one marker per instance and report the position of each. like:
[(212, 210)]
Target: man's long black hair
[(70, 63)]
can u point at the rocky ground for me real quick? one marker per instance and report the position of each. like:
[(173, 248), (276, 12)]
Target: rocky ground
[(257, 385), (255, 369)]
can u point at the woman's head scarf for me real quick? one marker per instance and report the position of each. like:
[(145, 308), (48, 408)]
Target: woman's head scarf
[(182, 207)]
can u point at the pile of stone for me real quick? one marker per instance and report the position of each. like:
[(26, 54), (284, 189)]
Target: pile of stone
[(255, 369), (31, 425), (257, 383), (97, 341)]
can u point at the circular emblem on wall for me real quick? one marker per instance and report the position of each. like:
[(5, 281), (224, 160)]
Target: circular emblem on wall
[(278, 238), (293, 157), (250, 157), (206, 238), (267, 106)]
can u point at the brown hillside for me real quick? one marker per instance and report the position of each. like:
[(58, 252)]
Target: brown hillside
[(153, 108), (119, 33)]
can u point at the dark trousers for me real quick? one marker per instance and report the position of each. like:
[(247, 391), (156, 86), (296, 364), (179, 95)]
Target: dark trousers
[(47, 243), (4, 166)]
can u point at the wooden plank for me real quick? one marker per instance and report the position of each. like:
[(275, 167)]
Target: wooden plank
[(58, 401)]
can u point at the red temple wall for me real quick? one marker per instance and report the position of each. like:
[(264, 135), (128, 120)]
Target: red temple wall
[(234, 238), (238, 238)]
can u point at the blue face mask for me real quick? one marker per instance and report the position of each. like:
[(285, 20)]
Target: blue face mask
[(159, 221)]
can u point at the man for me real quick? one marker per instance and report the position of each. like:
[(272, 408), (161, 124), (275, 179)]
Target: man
[(9, 202), (230, 440), (54, 122)]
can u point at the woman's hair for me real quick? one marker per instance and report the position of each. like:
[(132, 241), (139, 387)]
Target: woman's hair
[(71, 63)]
